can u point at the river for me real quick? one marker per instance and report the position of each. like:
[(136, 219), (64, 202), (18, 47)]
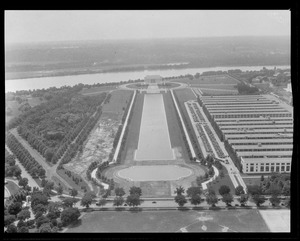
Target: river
[(71, 80)]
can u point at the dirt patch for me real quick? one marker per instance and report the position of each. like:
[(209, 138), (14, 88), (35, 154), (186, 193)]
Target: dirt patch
[(97, 148)]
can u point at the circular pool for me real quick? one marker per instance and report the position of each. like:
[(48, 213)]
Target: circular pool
[(154, 173)]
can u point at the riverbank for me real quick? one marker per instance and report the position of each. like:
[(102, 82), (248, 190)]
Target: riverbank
[(40, 82)]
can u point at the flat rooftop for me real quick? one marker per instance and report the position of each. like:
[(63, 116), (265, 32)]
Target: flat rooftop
[(259, 136), (266, 131), (262, 141), (262, 147), (259, 126), (264, 153), (266, 160)]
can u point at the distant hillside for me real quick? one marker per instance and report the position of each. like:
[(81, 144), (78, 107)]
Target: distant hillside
[(130, 54)]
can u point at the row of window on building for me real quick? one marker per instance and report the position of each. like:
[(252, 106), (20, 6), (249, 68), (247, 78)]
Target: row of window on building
[(267, 167), (252, 115)]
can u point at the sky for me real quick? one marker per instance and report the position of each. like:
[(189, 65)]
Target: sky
[(58, 25)]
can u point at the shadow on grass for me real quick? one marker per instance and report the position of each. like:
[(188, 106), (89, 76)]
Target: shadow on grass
[(215, 208), (135, 209), (120, 209), (183, 209), (76, 224), (197, 208)]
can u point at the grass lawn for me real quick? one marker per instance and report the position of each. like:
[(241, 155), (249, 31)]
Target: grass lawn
[(252, 181), (173, 125), (117, 104), (222, 181), (12, 187), (172, 221), (13, 105), (71, 182), (97, 90), (34, 101), (133, 129)]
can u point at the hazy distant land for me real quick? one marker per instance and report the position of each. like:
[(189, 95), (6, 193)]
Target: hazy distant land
[(86, 57)]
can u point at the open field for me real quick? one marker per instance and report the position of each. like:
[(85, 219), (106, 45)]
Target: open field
[(172, 221), (277, 220), (11, 186), (133, 130), (118, 102), (97, 90), (174, 128), (13, 105), (154, 141)]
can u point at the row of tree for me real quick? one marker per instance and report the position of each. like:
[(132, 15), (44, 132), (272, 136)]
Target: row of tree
[(29, 163), (11, 169)]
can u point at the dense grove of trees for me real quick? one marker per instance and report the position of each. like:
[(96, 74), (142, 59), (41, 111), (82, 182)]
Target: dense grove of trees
[(29, 163), (244, 89), (54, 131)]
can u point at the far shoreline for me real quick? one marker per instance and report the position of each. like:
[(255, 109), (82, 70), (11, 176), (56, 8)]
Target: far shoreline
[(33, 75)]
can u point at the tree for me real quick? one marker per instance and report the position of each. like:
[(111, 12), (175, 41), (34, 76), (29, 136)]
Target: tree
[(9, 219), (41, 220), (227, 198), (212, 199), (179, 190), (69, 215), (135, 190), (23, 229), (87, 199), (254, 189), (274, 190), (224, 189), (45, 228), (59, 190), (54, 207), (222, 174), (133, 200), (23, 182), (191, 191), (73, 192), (118, 201), (49, 154), (180, 200), (12, 228), (195, 199), (14, 208), (102, 202), (258, 199), (69, 202), (24, 214), (39, 208), (119, 191), (20, 224), (38, 198), (239, 190), (286, 189), (274, 200)]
